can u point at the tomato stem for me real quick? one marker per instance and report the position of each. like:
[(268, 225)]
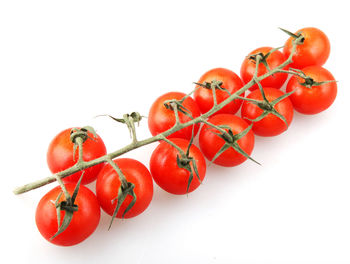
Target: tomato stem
[(63, 187), (82, 165), (124, 182), (308, 81), (182, 153)]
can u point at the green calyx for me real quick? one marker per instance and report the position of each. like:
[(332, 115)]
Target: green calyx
[(308, 81), (79, 135), (82, 133), (123, 192), (177, 106), (185, 163), (126, 188), (262, 57), (298, 38), (213, 85), (129, 120), (69, 207), (134, 116), (231, 141), (209, 85), (267, 106)]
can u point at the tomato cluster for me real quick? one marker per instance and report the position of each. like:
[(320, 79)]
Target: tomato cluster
[(231, 117)]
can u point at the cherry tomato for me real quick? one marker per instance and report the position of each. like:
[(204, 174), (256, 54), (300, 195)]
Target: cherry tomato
[(108, 184), (230, 81), (314, 99), (161, 118), (273, 60), (314, 50), (60, 156), (210, 143), (166, 172), (84, 220), (270, 125)]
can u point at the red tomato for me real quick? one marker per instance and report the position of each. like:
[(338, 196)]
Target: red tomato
[(314, 50), (317, 98), (210, 143), (161, 119), (273, 60), (230, 81), (108, 184), (60, 156), (166, 172), (270, 125), (83, 223)]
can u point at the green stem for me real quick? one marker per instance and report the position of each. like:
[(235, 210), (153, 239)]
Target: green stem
[(133, 129), (176, 113), (121, 175), (214, 126), (182, 153), (82, 165), (63, 187), (80, 142)]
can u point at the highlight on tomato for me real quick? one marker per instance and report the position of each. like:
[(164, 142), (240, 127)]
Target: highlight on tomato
[(313, 50), (83, 223), (161, 116), (230, 146), (226, 82), (276, 112), (270, 59), (175, 173), (108, 184), (315, 93), (61, 155)]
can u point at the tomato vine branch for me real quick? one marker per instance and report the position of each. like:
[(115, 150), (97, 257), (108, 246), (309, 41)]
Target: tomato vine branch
[(132, 118)]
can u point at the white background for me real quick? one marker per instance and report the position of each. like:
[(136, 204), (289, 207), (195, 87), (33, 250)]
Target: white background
[(64, 62)]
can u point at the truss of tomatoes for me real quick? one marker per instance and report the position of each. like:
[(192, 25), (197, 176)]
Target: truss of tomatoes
[(177, 165)]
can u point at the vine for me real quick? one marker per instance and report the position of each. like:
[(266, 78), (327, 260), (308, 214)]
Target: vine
[(176, 106)]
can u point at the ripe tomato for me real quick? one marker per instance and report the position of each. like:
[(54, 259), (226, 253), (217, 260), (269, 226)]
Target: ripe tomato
[(108, 184), (230, 81), (166, 172), (60, 156), (273, 60), (84, 220), (161, 118), (317, 98), (210, 143), (314, 50), (270, 125)]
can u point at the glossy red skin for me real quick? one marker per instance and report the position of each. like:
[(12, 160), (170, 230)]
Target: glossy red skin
[(168, 175), (210, 143), (83, 223), (273, 60), (270, 125), (317, 98), (231, 81), (161, 119), (313, 51), (60, 156), (108, 184)]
